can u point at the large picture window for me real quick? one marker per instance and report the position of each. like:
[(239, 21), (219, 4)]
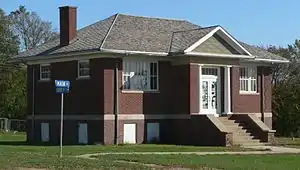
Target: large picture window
[(248, 79), (140, 75)]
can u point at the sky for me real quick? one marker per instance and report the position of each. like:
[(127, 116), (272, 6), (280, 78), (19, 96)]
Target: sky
[(257, 22)]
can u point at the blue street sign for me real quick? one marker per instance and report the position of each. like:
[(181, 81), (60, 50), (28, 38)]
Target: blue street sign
[(62, 86)]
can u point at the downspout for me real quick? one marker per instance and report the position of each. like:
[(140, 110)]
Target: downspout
[(33, 105), (116, 102), (262, 91)]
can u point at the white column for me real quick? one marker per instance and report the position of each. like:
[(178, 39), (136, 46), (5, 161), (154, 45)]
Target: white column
[(227, 91), (200, 87)]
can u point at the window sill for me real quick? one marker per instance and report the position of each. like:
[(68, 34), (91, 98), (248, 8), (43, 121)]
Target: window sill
[(248, 93), (139, 91), (83, 78), (44, 80)]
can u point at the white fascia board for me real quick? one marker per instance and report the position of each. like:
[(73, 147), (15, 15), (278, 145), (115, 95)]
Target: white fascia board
[(271, 60), (219, 55), (84, 55), (127, 52)]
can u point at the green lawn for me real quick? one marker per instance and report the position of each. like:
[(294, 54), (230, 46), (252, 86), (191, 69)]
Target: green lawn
[(15, 153), (231, 162)]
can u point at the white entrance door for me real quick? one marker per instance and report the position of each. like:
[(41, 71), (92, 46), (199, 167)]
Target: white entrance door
[(129, 133), (45, 132), (210, 90), (82, 133)]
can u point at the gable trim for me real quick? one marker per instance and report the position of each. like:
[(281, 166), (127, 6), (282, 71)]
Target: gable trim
[(218, 55), (210, 34)]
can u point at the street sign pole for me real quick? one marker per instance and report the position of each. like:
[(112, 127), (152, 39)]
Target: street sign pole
[(116, 103), (61, 123), (62, 87)]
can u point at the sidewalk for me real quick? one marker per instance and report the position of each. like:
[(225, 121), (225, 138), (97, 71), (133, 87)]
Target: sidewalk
[(273, 150)]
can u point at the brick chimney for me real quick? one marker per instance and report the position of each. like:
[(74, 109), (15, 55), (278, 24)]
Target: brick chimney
[(68, 24)]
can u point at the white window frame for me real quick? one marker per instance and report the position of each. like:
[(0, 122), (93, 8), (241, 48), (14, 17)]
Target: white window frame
[(48, 72), (129, 71), (79, 69), (248, 78)]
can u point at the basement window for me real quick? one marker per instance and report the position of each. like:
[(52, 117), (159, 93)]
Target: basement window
[(83, 68), (248, 79), (45, 72), (140, 75)]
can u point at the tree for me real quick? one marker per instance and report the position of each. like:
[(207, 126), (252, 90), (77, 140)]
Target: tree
[(20, 30), (286, 91), (8, 42), (30, 28), (12, 77)]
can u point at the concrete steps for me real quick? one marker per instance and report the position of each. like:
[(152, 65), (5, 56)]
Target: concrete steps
[(242, 134)]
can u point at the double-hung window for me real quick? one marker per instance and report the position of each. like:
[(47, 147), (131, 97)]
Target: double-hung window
[(248, 79), (140, 75), (45, 72), (83, 68)]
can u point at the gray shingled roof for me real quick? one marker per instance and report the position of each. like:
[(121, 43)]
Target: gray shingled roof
[(134, 33), (146, 34), (181, 40), (261, 53), (87, 39)]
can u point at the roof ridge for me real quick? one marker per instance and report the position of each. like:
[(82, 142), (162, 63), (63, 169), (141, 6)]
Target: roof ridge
[(196, 29), (108, 31), (150, 17), (95, 23), (171, 42)]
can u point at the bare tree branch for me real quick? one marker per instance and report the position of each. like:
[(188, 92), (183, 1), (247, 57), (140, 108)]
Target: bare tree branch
[(30, 28)]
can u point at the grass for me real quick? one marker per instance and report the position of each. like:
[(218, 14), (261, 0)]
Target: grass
[(288, 142), (15, 153), (232, 162)]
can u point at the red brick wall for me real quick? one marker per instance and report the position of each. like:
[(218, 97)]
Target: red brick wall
[(95, 95), (180, 87), (173, 78), (194, 89), (268, 89), (70, 131), (86, 95), (244, 103), (247, 103)]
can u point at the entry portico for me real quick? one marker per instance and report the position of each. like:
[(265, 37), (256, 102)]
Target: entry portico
[(214, 89), (218, 51)]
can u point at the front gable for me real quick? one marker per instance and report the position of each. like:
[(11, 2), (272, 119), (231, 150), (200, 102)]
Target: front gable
[(215, 44), (218, 41)]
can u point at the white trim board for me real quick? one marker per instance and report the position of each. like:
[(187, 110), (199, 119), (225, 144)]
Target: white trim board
[(225, 35), (88, 56), (125, 116), (271, 60), (218, 55), (111, 117)]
